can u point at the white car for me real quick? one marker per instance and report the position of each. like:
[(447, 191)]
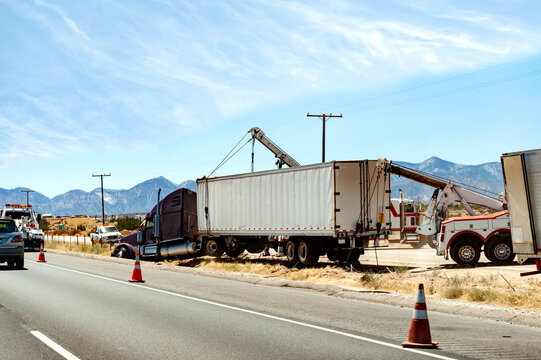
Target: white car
[(105, 234)]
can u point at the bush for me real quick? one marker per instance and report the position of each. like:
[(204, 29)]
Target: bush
[(483, 295), (81, 227), (453, 292), (44, 224), (127, 223)]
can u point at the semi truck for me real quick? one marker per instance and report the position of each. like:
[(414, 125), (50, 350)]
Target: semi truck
[(522, 180), (301, 212)]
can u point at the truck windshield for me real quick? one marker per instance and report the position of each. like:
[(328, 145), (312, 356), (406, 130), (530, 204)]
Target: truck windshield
[(16, 215), (7, 226), (110, 229)]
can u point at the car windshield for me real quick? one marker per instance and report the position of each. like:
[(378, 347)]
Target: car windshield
[(16, 215), (7, 226), (109, 229)]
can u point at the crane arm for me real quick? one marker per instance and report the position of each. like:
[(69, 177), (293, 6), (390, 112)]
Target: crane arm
[(283, 157)]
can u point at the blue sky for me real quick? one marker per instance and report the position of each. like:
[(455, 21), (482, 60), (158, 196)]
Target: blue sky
[(141, 89)]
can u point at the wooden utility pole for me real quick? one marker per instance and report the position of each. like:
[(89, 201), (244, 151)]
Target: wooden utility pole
[(324, 117), (102, 208), (27, 198)]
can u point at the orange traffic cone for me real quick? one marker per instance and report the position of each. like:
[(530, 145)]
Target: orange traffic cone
[(41, 257), (419, 335), (137, 276)]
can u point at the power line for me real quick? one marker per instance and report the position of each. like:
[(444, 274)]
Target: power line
[(27, 198)]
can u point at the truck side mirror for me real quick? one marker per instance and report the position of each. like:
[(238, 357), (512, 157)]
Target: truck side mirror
[(139, 236), (156, 225)]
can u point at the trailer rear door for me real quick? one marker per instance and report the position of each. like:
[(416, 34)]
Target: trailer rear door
[(522, 176)]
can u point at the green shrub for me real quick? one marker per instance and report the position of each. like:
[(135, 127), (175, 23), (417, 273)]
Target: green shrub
[(44, 224), (483, 295), (453, 292), (127, 223)]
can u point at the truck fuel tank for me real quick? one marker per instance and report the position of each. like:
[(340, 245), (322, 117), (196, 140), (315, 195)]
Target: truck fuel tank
[(177, 250)]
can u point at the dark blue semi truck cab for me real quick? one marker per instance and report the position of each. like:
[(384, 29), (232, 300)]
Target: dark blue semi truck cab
[(175, 235)]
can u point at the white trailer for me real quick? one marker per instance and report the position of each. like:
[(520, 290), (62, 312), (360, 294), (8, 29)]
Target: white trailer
[(522, 178), (304, 211)]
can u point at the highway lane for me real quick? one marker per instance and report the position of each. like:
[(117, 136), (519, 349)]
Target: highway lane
[(97, 318)]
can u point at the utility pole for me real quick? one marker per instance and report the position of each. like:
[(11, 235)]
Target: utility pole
[(324, 117), (27, 198), (102, 208)]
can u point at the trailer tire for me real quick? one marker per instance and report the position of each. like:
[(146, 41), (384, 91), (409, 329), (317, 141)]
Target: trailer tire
[(499, 250), (308, 252), (234, 252), (291, 252), (214, 247), (466, 252)]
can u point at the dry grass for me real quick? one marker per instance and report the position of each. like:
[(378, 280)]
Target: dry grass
[(463, 284), (97, 249)]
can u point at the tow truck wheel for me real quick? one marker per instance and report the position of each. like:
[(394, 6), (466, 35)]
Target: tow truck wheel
[(214, 247), (466, 252), (500, 250), (291, 252)]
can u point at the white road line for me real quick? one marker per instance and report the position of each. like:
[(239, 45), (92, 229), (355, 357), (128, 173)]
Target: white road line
[(337, 332), (50, 343)]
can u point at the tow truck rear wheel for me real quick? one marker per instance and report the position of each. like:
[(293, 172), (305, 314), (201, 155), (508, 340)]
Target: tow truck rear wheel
[(466, 252), (499, 250)]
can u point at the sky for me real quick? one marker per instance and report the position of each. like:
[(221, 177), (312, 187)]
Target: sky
[(141, 89)]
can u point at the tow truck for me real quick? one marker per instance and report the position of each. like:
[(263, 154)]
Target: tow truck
[(27, 223), (461, 238)]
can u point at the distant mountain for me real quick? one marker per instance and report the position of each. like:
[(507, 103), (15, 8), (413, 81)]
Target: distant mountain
[(142, 197), (139, 199), (486, 176)]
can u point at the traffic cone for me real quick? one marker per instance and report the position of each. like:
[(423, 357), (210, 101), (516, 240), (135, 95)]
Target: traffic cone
[(137, 276), (419, 335), (41, 256)]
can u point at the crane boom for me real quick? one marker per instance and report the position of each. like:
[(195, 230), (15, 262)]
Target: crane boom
[(281, 155)]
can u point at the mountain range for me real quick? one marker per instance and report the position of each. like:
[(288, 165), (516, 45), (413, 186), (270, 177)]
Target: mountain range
[(142, 197)]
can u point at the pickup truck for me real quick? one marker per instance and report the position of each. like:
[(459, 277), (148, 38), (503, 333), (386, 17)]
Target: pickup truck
[(105, 234)]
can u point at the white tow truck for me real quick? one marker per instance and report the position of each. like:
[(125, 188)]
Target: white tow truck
[(27, 223), (461, 238)]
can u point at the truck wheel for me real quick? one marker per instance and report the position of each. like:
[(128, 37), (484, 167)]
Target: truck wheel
[(234, 252), (20, 263), (291, 252), (214, 247), (308, 252), (466, 252), (500, 250), (122, 253), (432, 242)]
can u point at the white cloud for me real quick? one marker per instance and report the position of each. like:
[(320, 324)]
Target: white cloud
[(134, 69)]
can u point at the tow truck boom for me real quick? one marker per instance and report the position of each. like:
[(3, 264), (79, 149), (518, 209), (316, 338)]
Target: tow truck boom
[(437, 209), (281, 155)]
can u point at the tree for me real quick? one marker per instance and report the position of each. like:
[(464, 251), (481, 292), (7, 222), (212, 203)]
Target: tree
[(127, 223)]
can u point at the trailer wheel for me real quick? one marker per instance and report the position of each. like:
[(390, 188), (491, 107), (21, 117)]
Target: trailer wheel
[(291, 252), (466, 252), (214, 247), (499, 250), (234, 252), (308, 252)]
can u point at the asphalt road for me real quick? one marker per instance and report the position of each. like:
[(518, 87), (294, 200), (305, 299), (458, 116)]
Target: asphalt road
[(89, 309)]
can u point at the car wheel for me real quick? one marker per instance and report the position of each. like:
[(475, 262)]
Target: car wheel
[(20, 262), (11, 264), (466, 252)]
